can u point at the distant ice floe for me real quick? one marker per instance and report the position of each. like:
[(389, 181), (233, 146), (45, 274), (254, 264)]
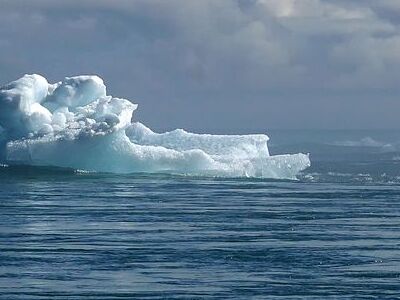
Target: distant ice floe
[(74, 124), (366, 142)]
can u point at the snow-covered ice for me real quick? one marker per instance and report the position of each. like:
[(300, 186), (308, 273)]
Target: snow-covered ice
[(74, 124)]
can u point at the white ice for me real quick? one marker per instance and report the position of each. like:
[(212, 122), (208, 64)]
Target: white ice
[(74, 124)]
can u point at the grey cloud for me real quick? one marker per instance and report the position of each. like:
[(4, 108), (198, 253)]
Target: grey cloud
[(236, 61)]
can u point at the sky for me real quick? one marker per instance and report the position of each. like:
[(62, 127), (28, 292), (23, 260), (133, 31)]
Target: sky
[(219, 65)]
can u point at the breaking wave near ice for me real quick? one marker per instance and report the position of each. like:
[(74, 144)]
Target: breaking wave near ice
[(75, 124)]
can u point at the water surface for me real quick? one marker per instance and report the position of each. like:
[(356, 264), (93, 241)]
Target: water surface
[(333, 234)]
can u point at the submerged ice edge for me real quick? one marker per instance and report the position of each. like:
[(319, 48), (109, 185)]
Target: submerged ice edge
[(74, 124)]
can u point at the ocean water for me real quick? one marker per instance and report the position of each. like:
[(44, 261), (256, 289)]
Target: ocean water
[(332, 234)]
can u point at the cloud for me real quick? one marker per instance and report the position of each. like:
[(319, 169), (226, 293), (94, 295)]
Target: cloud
[(215, 52)]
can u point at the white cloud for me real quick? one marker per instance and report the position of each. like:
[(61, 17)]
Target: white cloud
[(313, 9)]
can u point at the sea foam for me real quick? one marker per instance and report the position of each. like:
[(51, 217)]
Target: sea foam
[(75, 124)]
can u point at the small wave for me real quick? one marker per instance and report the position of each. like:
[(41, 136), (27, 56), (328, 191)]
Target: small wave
[(348, 178), (84, 172)]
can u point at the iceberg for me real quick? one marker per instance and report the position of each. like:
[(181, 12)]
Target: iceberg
[(75, 124)]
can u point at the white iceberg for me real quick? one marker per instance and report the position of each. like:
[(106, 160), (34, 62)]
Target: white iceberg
[(74, 124)]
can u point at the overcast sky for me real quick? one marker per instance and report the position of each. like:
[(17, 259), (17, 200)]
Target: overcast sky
[(221, 66)]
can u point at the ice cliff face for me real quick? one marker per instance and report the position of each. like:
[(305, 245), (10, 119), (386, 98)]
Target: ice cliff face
[(73, 123)]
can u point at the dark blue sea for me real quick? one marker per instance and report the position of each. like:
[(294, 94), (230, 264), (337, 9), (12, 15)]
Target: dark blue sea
[(332, 234)]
